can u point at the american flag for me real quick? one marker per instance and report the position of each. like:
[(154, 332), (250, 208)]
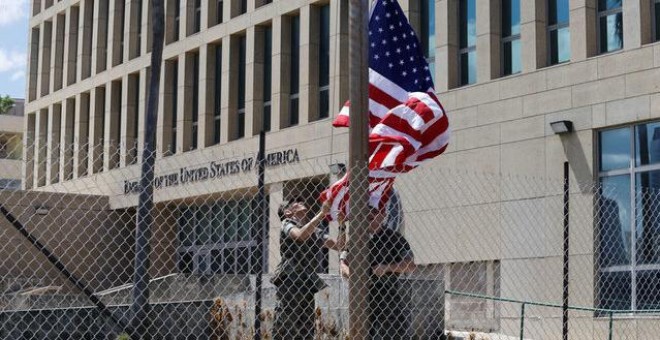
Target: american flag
[(407, 122)]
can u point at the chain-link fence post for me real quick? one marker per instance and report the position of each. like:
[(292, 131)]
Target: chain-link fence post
[(140, 322), (358, 167)]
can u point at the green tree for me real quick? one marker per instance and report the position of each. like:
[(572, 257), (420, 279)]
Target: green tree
[(6, 103)]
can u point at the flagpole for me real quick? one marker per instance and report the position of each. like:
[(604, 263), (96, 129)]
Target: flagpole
[(358, 154)]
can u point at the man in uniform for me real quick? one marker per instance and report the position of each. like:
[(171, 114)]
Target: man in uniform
[(391, 256), (295, 277)]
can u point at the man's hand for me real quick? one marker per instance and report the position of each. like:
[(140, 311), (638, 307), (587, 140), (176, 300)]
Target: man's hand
[(380, 270), (325, 208)]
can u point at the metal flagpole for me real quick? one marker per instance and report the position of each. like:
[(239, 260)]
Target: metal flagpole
[(262, 228), (140, 322), (358, 159)]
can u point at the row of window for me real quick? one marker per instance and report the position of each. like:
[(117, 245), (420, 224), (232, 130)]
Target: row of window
[(237, 70), (609, 32), (627, 238)]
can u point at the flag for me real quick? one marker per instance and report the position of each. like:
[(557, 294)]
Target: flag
[(407, 123)]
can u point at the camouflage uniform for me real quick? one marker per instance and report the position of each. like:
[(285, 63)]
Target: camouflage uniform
[(297, 282)]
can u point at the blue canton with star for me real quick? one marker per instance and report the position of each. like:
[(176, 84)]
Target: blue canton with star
[(394, 50)]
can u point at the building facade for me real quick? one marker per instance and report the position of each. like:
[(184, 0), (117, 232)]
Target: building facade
[(504, 70), (11, 146)]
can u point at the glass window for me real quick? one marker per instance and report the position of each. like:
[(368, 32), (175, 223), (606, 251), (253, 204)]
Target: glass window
[(197, 16), (628, 228), (268, 70), (510, 37), (610, 25), (614, 149), (427, 37), (217, 238), (219, 11), (217, 103), (177, 19), (559, 32), (294, 82), (656, 19), (175, 103), (468, 42), (324, 61), (240, 124), (195, 100)]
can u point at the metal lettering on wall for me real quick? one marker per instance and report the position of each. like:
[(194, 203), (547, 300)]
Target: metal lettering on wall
[(214, 170)]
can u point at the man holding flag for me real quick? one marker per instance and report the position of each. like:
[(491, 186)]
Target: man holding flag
[(407, 126)]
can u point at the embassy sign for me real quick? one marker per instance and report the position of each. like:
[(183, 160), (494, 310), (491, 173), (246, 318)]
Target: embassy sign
[(214, 170)]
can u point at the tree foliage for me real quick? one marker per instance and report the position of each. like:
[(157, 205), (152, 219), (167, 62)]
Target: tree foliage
[(6, 104)]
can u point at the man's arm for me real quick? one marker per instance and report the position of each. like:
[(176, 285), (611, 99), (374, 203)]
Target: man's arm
[(340, 242), (302, 234), (403, 267)]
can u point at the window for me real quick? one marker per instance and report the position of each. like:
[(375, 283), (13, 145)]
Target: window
[(627, 247), (558, 32), (324, 62), (268, 77), (656, 20), (510, 37), (240, 124), (217, 100), (177, 19), (468, 42), (197, 16), (610, 25), (175, 103), (218, 238), (219, 11), (195, 100), (138, 44), (294, 81), (428, 32)]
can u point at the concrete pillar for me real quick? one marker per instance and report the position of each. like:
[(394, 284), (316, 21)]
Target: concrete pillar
[(584, 41), (206, 94), (81, 135), (276, 196), (53, 144), (29, 143), (632, 23), (254, 81), (229, 90), (281, 72), (309, 71), (71, 43), (448, 45), (182, 103), (533, 34), (67, 138), (338, 56), (489, 31)]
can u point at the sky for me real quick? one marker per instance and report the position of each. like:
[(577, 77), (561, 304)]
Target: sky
[(13, 47)]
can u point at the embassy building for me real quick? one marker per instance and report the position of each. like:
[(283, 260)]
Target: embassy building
[(504, 70)]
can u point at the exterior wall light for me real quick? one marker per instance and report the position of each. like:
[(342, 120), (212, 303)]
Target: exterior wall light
[(562, 126)]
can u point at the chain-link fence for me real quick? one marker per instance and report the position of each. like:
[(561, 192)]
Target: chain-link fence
[(458, 254)]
